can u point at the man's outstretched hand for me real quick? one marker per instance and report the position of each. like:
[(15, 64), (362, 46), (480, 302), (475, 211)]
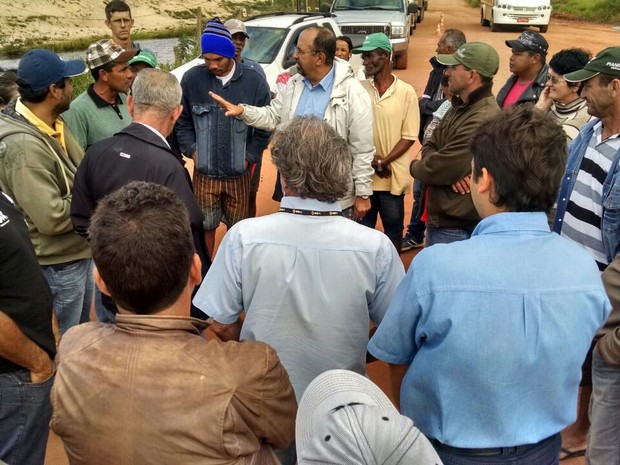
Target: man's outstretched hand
[(230, 108)]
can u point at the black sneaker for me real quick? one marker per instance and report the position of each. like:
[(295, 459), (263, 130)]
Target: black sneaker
[(409, 243)]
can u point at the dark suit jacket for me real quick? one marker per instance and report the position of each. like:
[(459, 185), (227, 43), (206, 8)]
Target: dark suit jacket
[(135, 153)]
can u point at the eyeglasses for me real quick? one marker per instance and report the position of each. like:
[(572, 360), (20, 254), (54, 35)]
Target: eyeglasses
[(554, 79), (299, 51), (122, 21)]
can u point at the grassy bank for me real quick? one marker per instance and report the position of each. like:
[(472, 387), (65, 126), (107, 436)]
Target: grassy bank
[(600, 11), (18, 48), (607, 11)]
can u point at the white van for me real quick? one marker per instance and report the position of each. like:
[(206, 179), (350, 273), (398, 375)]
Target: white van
[(496, 13)]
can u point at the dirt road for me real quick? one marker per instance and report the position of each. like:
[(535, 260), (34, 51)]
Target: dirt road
[(457, 14)]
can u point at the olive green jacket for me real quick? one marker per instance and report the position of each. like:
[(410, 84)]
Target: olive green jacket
[(38, 175), (446, 159)]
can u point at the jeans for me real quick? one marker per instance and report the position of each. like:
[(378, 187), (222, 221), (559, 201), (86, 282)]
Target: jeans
[(25, 414), (416, 227), (546, 453), (604, 436), (72, 290), (391, 208), (445, 235), (288, 456)]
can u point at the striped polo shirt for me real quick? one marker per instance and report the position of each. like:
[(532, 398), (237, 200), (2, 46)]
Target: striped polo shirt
[(582, 221)]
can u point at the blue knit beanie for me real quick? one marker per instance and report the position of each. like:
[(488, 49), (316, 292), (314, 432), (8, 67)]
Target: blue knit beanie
[(216, 39)]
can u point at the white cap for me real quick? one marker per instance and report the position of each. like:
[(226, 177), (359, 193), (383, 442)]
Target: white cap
[(236, 25), (344, 418)]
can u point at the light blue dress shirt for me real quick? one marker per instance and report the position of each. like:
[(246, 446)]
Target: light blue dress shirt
[(309, 286), (314, 99), (495, 330)]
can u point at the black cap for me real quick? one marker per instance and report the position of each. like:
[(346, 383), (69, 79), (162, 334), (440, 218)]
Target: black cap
[(529, 41)]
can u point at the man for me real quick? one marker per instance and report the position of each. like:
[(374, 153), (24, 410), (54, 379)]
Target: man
[(587, 211), (528, 68), (446, 156), (120, 22), (429, 102), (138, 153), (344, 418), (326, 88), (239, 34), (602, 447), (38, 160), (223, 148), (308, 279), (143, 60), (101, 110), (27, 346), (152, 389), (449, 42), (491, 349), (396, 121)]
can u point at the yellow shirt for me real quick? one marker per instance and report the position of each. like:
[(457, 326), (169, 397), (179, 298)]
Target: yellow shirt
[(58, 132), (396, 116)]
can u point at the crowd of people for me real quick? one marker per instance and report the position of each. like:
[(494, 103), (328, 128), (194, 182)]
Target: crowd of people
[(502, 338)]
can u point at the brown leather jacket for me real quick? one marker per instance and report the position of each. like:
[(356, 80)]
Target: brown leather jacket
[(151, 389)]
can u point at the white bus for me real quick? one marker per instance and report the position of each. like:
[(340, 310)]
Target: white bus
[(496, 13)]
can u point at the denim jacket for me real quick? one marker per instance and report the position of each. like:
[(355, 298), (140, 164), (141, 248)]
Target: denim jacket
[(222, 143), (610, 223)]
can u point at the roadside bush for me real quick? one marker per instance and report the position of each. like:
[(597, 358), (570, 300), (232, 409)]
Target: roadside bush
[(590, 10)]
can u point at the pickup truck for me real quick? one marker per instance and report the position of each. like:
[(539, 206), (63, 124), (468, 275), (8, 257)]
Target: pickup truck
[(396, 18), (272, 42)]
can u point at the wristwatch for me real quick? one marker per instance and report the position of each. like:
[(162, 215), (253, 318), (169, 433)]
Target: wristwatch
[(379, 167)]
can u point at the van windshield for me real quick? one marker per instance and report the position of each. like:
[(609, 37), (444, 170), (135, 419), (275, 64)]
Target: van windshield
[(264, 43), (392, 5)]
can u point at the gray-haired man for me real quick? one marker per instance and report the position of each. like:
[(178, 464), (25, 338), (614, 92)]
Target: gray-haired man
[(138, 153), (308, 279)]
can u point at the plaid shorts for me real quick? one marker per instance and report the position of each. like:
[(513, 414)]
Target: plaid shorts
[(225, 200)]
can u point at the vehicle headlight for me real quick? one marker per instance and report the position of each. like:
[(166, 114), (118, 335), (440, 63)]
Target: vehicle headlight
[(398, 30)]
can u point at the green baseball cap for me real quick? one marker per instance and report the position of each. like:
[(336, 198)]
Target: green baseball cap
[(144, 57), (373, 42), (474, 55), (606, 62)]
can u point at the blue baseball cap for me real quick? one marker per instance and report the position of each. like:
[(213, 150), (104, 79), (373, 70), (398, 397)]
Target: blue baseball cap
[(39, 68)]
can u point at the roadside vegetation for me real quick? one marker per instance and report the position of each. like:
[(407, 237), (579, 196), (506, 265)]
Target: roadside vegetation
[(591, 10), (600, 11), (18, 48)]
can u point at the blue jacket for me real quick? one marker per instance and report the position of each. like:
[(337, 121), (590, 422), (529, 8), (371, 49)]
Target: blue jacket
[(610, 223), (223, 143)]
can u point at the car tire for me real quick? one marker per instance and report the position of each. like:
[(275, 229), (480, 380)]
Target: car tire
[(544, 28), (420, 17), (400, 60), (483, 22)]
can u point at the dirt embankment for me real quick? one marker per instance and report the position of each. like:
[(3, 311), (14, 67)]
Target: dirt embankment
[(55, 20)]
